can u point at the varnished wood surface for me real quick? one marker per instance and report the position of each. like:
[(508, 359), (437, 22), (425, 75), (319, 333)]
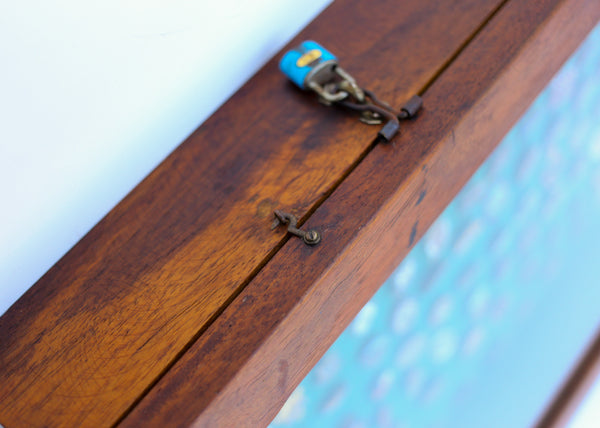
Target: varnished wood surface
[(88, 339), (243, 367)]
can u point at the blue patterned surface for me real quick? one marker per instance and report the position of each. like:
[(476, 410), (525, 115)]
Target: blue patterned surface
[(519, 240)]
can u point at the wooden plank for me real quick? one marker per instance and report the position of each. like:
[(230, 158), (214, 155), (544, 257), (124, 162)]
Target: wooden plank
[(573, 391), (244, 366), (86, 341)]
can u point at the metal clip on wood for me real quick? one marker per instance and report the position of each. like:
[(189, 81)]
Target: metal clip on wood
[(310, 237), (312, 67)]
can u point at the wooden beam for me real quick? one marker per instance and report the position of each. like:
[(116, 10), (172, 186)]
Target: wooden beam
[(568, 398), (241, 370), (87, 341)]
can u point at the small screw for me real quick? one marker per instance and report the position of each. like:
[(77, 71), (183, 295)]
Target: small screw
[(312, 237)]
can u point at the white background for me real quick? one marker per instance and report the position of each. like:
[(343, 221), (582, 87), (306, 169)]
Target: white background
[(93, 95)]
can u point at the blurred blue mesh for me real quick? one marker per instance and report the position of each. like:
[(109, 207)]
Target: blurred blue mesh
[(421, 350)]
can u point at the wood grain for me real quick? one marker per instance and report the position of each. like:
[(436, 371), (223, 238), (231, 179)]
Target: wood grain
[(243, 367), (91, 336)]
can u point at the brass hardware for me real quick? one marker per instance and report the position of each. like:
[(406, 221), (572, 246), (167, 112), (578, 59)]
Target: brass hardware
[(338, 87), (372, 110), (310, 237), (308, 58), (311, 66)]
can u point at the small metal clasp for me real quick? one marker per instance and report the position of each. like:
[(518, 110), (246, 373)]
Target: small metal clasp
[(310, 237)]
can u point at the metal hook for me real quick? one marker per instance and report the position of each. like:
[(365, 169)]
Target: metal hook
[(311, 237), (380, 110)]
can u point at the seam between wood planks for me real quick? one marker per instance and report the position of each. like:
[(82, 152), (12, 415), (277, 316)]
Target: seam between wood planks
[(302, 220)]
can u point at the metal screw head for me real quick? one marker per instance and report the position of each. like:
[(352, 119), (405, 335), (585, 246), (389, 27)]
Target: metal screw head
[(312, 237)]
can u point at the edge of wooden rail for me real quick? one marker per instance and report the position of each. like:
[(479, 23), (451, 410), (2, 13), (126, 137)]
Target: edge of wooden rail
[(246, 364), (577, 384)]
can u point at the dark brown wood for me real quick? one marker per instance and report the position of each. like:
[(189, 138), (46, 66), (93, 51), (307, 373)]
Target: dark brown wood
[(110, 318), (243, 367), (576, 385)]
